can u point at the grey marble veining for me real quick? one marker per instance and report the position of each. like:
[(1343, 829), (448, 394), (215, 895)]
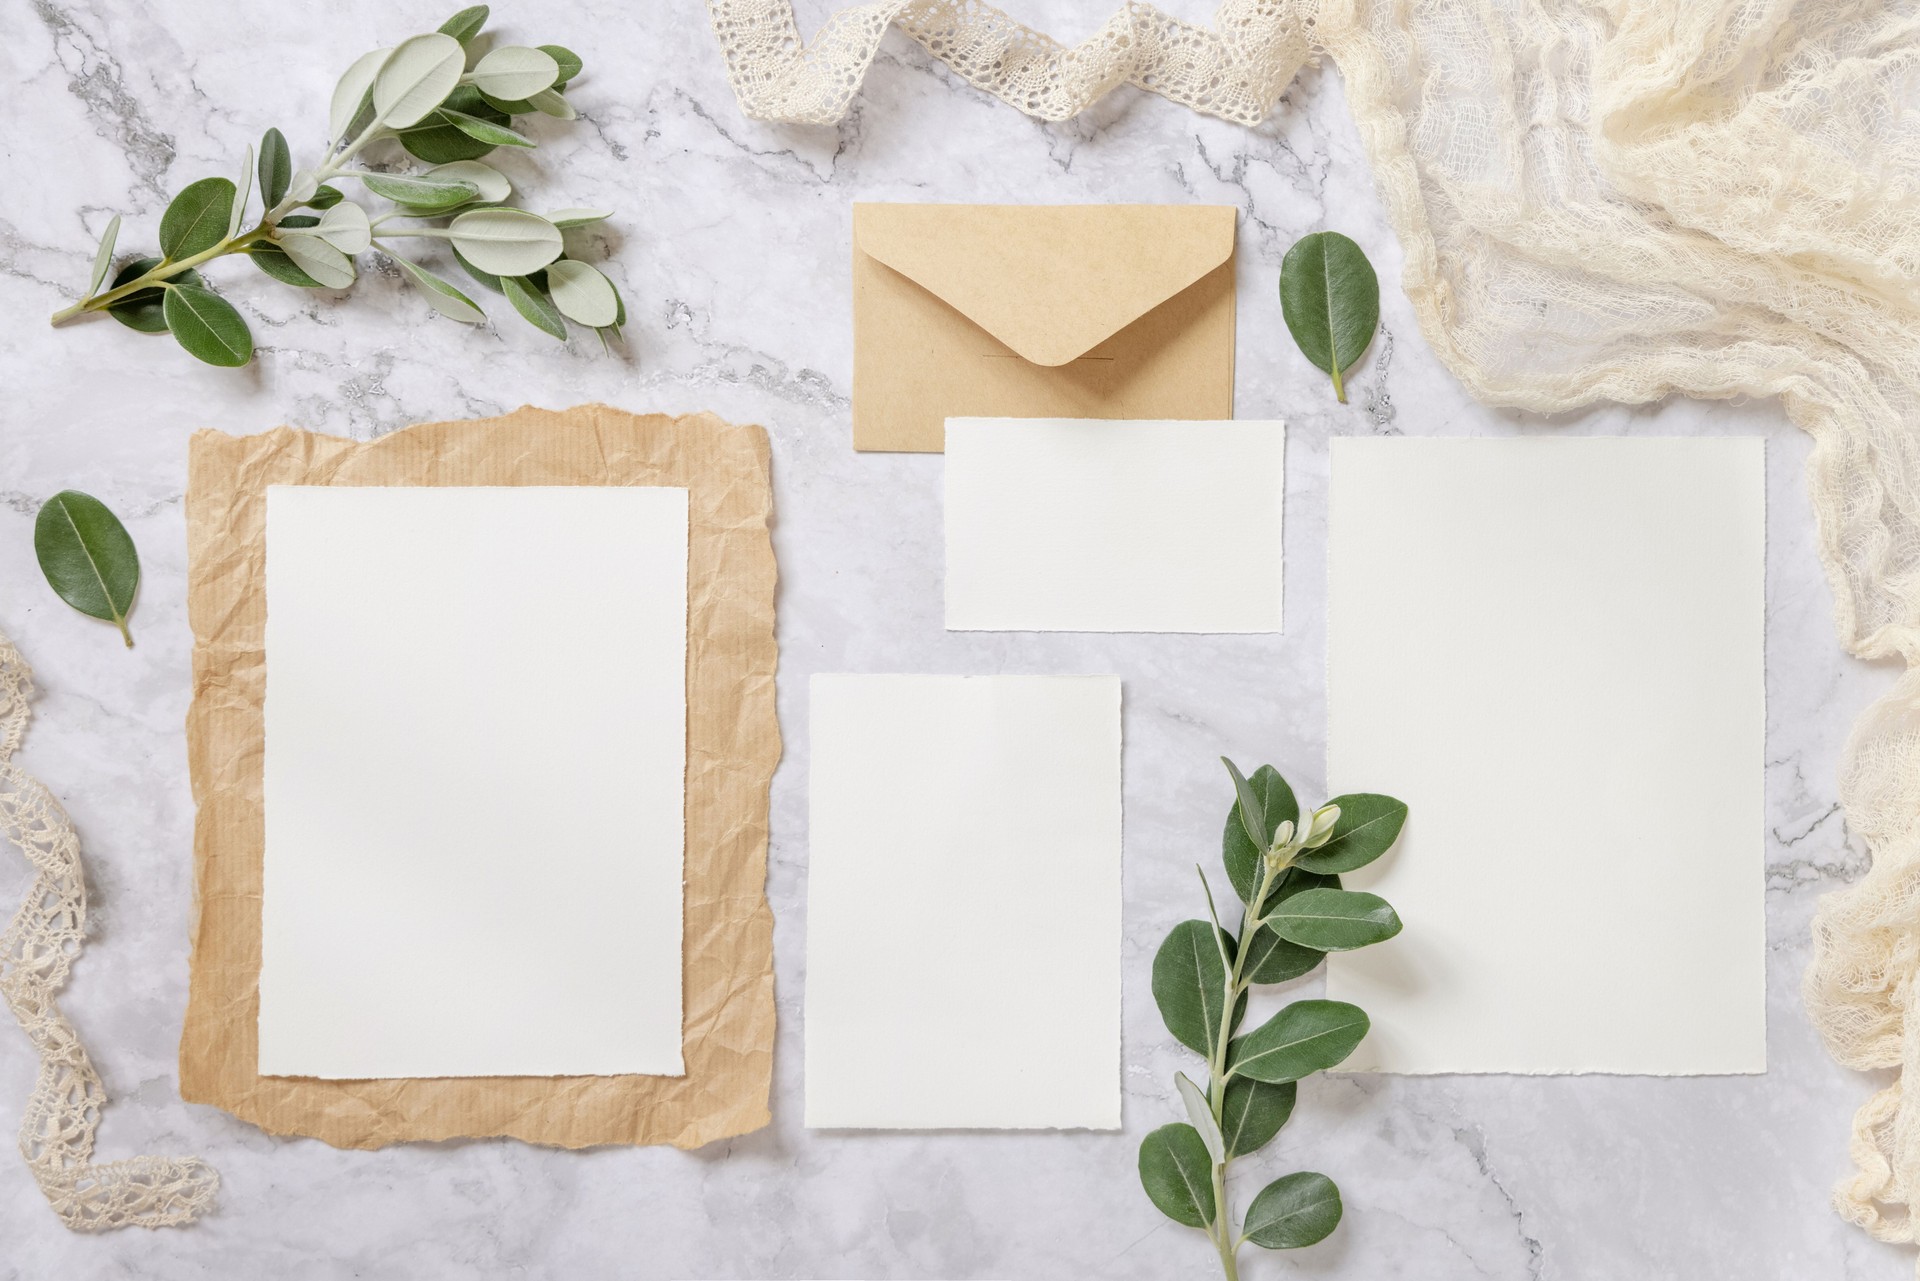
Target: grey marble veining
[(731, 245)]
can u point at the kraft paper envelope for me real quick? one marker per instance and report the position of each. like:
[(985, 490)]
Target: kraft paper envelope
[(1038, 311)]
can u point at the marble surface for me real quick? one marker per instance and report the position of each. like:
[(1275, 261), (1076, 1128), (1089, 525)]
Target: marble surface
[(731, 245)]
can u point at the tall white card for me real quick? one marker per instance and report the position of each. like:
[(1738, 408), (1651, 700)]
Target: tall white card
[(1078, 525), (475, 780), (963, 903), (1552, 650)]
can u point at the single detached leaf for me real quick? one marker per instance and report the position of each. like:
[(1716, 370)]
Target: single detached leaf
[(346, 228), (1242, 856), (568, 61), (506, 242), (276, 168), (1252, 1112), (207, 326), (196, 221), (354, 91), (142, 309), (551, 102), (1334, 920), (489, 184), (515, 71), (318, 259), (1177, 1174), (436, 141), (1369, 825), (243, 189), (1297, 1210), (103, 256), (582, 294), (566, 218), (423, 192), (88, 557), (1304, 1038), (1272, 959), (482, 130), (534, 305), (466, 24), (1189, 985), (443, 297), (417, 78), (1331, 301), (1201, 1116), (273, 260)]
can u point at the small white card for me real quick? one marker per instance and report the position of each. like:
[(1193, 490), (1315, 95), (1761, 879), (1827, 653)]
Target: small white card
[(1101, 526), (1552, 651), (963, 903), (474, 781)]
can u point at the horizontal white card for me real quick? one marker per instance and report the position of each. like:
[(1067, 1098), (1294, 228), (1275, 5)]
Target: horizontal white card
[(1084, 525), (1552, 651), (963, 903), (475, 781)]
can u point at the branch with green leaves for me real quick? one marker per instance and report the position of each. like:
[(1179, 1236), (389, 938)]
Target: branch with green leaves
[(1286, 870), (443, 99)]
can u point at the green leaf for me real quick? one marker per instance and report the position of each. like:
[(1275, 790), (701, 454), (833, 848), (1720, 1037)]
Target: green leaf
[(443, 297), (1331, 301), (1295, 1211), (551, 102), (103, 256), (582, 294), (297, 222), (1178, 1177), (142, 309), (88, 557), (417, 78), (486, 278), (515, 71), (243, 189), (1253, 817), (568, 60), (422, 192), (207, 326), (318, 259), (466, 24), (506, 242), (1252, 1112), (1334, 920), (533, 304), (489, 183), (1304, 1038), (196, 221), (1201, 1116), (437, 142), (566, 218), (1241, 855), (353, 93), (276, 168), (1189, 985), (346, 228), (1272, 959), (1369, 824), (273, 260), (482, 130)]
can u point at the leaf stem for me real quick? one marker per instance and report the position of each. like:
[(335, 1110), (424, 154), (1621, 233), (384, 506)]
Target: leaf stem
[(160, 275), (1339, 388)]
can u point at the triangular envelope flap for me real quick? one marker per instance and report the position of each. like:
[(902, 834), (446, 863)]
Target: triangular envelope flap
[(1049, 281)]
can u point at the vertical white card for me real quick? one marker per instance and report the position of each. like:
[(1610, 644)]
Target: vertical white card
[(474, 781), (1552, 651), (963, 903), (1080, 525)]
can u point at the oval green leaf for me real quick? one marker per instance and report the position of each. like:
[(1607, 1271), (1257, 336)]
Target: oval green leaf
[(422, 192), (1177, 1174), (1189, 985), (243, 188), (466, 24), (324, 198), (506, 242), (582, 294), (417, 78), (1331, 301), (482, 130), (276, 168), (484, 278), (569, 61), (1200, 1116), (534, 305), (207, 326), (273, 260), (1272, 959), (567, 218), (103, 256), (1295, 1211), (489, 184), (515, 71), (443, 297), (197, 218), (1369, 824), (353, 92), (142, 308), (551, 102), (1252, 1112), (436, 141), (1334, 920), (320, 260), (1304, 1038), (88, 557), (1237, 849)]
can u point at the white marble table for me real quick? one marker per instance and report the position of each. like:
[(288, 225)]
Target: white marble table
[(731, 244)]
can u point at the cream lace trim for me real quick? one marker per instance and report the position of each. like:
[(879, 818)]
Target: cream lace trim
[(38, 948), (1612, 200)]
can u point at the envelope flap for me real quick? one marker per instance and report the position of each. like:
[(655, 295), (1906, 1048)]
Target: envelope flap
[(1049, 281)]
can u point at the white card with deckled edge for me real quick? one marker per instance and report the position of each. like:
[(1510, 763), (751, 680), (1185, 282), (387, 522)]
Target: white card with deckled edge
[(474, 781), (963, 903), (1552, 650), (1105, 526)]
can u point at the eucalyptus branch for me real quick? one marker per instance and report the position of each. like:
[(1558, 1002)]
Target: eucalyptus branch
[(446, 101)]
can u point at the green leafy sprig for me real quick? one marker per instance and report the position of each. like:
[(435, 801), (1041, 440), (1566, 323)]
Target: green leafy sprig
[(446, 102), (1286, 870), (1330, 299)]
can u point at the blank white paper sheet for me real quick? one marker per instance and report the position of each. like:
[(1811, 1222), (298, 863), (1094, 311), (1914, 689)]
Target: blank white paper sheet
[(1552, 651), (1101, 526), (474, 781), (963, 903)]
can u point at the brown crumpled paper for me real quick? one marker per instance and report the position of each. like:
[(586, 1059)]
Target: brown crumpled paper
[(733, 744)]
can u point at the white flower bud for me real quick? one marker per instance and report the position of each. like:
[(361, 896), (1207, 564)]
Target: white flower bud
[(1282, 836), (1322, 829)]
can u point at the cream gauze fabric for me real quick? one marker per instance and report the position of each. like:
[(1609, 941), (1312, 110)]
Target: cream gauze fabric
[(1602, 201)]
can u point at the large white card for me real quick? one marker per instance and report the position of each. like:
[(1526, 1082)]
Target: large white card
[(1081, 525), (475, 781), (1552, 650), (963, 902)]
